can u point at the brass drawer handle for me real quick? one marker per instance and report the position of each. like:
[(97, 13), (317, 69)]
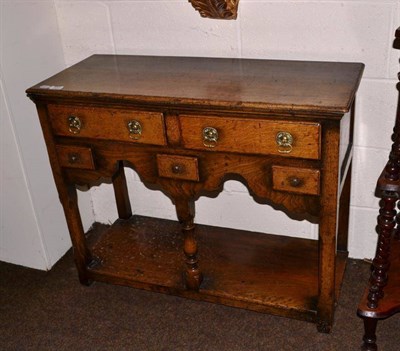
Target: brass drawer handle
[(135, 129), (210, 137), (74, 124), (284, 141)]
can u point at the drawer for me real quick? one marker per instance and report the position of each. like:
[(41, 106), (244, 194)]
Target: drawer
[(178, 167), (256, 136), (75, 157), (109, 124), (296, 180)]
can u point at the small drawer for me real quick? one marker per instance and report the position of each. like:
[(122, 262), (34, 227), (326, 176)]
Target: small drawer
[(296, 180), (75, 157), (253, 136), (178, 167), (109, 124)]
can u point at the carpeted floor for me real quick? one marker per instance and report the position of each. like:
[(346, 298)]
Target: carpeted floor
[(52, 311)]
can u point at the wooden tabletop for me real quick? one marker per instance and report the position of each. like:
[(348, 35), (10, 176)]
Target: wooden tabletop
[(240, 84)]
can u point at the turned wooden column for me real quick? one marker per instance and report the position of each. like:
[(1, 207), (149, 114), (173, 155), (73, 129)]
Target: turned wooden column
[(381, 299), (380, 264), (185, 212)]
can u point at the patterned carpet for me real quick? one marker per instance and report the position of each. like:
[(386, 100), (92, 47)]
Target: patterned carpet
[(52, 311)]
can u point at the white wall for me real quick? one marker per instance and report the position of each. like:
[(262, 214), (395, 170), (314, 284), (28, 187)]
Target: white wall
[(35, 32), (33, 230), (334, 30)]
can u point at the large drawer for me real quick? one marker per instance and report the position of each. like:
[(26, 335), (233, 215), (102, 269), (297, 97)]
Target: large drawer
[(107, 123), (257, 136)]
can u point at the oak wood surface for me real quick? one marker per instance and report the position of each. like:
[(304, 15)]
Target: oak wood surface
[(178, 167), (121, 192), (109, 124), (252, 135), (75, 157), (215, 168), (297, 180), (146, 253), (239, 84)]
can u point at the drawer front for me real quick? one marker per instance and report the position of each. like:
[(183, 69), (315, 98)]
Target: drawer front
[(75, 157), (296, 180), (255, 136), (178, 167), (109, 124)]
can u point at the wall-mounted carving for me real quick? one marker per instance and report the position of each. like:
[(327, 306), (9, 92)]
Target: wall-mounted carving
[(220, 9)]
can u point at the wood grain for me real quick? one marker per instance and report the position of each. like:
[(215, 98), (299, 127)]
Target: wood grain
[(252, 136), (296, 180), (219, 9), (108, 124), (75, 157), (146, 253), (178, 167), (248, 102), (382, 296), (327, 88), (390, 303)]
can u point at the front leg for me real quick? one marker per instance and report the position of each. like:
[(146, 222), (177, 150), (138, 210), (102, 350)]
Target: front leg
[(185, 212), (82, 255)]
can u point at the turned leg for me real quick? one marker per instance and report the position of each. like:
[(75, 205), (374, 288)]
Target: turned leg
[(185, 212), (121, 193), (369, 339), (381, 262)]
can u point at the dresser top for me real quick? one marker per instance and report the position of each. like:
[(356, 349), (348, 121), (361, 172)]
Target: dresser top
[(238, 84)]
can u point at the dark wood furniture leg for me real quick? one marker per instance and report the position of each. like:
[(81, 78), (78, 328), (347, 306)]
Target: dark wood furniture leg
[(185, 212), (382, 297), (121, 193), (380, 264), (369, 339)]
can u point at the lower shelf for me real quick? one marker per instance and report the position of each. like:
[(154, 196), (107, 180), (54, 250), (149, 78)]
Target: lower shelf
[(261, 272), (390, 303)]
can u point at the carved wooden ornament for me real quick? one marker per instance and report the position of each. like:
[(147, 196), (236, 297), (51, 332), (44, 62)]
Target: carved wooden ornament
[(219, 9)]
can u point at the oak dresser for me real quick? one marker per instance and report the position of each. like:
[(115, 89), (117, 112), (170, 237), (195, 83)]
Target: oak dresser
[(186, 125)]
